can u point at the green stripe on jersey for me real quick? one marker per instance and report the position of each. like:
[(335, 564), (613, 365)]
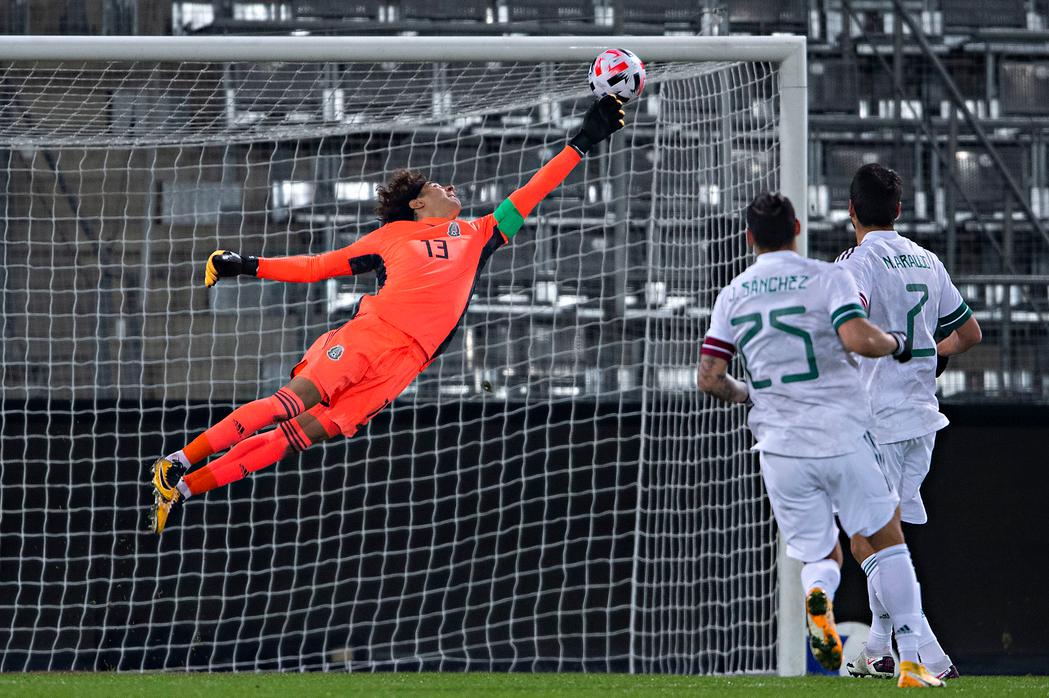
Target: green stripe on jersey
[(847, 312), (952, 321), (508, 218)]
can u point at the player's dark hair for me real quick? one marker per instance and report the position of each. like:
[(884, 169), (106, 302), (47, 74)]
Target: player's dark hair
[(875, 193), (394, 196), (770, 219)]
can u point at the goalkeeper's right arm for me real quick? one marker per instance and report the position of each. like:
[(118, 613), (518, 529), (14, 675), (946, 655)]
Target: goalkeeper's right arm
[(359, 258)]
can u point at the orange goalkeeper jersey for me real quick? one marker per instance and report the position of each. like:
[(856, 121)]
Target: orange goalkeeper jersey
[(426, 269)]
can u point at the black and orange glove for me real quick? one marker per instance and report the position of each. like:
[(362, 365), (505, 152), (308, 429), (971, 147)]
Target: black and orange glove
[(602, 119), (224, 264)]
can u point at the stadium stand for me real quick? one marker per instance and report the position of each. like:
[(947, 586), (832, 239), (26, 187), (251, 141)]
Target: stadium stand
[(958, 201)]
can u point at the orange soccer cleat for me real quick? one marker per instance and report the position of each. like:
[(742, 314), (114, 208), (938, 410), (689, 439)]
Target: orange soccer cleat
[(823, 635), (914, 675)]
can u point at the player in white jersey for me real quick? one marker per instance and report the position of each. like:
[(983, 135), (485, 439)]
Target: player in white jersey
[(794, 321), (902, 285)]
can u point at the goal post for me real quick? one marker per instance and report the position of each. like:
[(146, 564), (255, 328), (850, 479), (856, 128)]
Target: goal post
[(552, 494)]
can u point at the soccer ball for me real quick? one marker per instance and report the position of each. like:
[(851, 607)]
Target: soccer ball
[(617, 72)]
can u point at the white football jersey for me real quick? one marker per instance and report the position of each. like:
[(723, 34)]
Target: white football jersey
[(906, 288), (782, 315)]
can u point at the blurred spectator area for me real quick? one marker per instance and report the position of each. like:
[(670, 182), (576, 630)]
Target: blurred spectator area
[(956, 199)]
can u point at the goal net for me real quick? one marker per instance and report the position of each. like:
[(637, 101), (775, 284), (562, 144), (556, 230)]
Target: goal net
[(552, 494)]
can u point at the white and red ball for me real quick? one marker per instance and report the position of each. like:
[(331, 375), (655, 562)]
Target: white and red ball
[(617, 72)]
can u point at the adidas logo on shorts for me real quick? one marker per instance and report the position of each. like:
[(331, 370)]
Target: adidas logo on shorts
[(335, 353)]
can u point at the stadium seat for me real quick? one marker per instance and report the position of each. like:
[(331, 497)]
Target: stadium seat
[(513, 266), (337, 9), (841, 160), (967, 15), (547, 10), (447, 10), (971, 79), (665, 13), (761, 16), (833, 86), (1023, 87), (878, 92), (981, 180), (581, 252), (285, 90)]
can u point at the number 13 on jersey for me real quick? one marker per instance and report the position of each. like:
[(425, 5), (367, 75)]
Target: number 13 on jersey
[(436, 248)]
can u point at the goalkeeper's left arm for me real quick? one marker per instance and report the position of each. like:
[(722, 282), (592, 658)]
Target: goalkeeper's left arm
[(602, 119)]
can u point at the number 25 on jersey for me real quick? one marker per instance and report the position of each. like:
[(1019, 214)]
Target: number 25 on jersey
[(756, 323)]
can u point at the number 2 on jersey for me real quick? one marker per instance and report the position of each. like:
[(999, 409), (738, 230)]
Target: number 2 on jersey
[(755, 322), (914, 312)]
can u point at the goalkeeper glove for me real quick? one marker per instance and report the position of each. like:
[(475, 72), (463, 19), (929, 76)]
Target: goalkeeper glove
[(902, 352), (602, 119), (223, 264)]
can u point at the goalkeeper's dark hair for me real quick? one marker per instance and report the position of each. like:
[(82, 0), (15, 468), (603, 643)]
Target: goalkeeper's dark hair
[(770, 219), (875, 194), (394, 196)]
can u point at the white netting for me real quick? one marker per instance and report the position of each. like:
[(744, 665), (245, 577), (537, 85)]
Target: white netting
[(551, 494)]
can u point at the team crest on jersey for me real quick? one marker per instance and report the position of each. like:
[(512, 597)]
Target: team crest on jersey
[(335, 353), (453, 229)]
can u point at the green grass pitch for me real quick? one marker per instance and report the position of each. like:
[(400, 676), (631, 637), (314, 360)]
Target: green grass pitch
[(108, 685)]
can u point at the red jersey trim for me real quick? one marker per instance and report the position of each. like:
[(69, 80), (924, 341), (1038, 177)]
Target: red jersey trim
[(718, 348)]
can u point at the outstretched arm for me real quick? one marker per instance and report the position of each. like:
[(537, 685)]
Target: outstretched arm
[(358, 258), (602, 119), (316, 267), (510, 215)]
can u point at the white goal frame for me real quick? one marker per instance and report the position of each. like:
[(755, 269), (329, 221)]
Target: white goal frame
[(788, 53)]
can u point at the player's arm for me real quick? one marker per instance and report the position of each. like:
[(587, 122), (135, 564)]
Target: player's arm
[(849, 319), (358, 258), (712, 376), (956, 324), (860, 336), (602, 119), (962, 339), (713, 379)]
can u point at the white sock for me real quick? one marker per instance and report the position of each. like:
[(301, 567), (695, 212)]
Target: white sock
[(898, 591), (179, 458), (879, 642), (824, 574), (182, 487), (930, 652)]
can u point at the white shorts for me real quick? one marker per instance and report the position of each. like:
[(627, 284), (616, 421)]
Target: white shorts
[(806, 492), (906, 463)]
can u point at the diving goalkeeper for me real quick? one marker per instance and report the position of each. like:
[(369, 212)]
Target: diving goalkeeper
[(426, 261)]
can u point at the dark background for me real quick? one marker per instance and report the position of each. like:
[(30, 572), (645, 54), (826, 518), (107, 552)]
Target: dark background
[(980, 559)]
